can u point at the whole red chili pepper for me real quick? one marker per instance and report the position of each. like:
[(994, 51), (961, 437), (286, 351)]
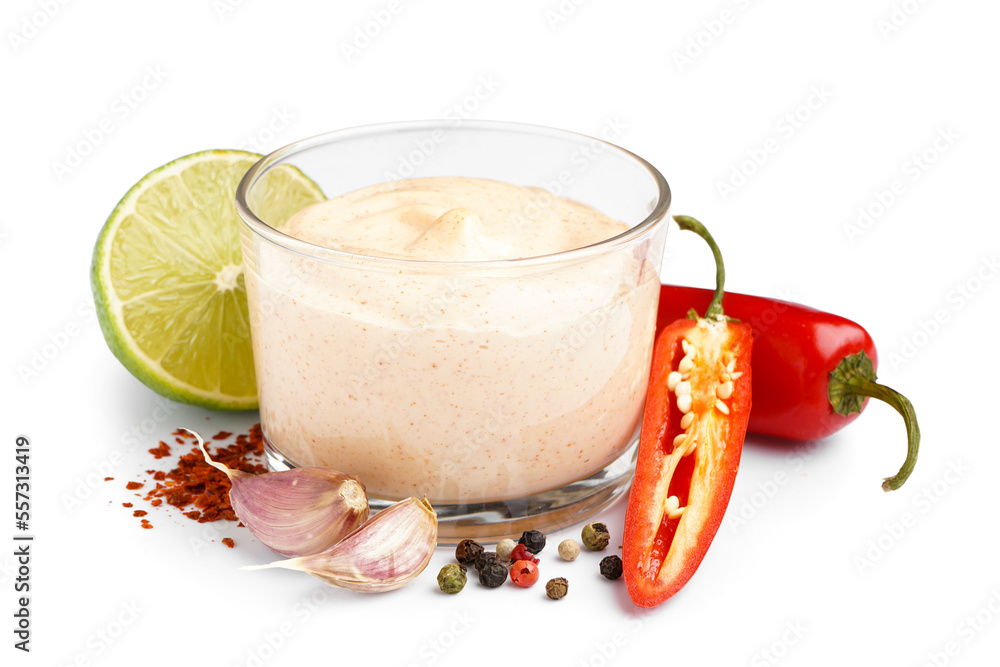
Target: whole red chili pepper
[(697, 408), (812, 371)]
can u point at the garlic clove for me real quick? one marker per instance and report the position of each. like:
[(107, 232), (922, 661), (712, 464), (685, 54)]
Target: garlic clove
[(385, 553), (296, 512)]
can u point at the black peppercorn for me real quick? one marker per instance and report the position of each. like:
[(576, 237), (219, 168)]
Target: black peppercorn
[(533, 541), (611, 567), (468, 551), (493, 574), (485, 558)]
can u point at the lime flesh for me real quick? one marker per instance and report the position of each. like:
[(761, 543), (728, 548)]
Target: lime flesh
[(167, 276)]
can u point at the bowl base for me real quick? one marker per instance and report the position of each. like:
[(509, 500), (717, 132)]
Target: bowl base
[(493, 521)]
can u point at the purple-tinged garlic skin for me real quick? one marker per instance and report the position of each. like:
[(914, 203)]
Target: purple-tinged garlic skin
[(385, 553), (296, 512)]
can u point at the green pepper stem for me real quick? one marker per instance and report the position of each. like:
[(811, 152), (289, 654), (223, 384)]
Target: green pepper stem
[(690, 224), (851, 383)]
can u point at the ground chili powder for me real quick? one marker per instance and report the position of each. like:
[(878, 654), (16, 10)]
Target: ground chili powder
[(194, 482)]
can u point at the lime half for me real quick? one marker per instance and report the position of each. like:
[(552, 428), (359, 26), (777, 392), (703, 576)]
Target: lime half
[(167, 276)]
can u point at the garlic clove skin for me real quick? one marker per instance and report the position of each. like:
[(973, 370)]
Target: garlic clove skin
[(296, 512), (385, 553)]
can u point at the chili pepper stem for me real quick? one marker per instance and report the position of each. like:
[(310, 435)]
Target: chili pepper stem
[(688, 223), (851, 383)]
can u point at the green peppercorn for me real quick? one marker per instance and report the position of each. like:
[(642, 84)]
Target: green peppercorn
[(533, 540), (611, 567), (485, 558), (595, 536), (468, 551), (557, 588), (451, 578), (504, 547), (492, 574)]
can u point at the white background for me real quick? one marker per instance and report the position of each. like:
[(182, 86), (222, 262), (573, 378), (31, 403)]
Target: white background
[(825, 552)]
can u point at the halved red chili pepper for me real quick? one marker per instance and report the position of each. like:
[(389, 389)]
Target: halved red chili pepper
[(813, 371), (697, 408)]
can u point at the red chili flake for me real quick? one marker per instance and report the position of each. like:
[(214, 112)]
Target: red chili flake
[(132, 486), (108, 479), (199, 490), (146, 524), (228, 541), (161, 451), (139, 513), (126, 504)]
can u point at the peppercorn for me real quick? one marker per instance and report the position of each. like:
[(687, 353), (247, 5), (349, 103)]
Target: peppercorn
[(533, 541), (611, 567), (569, 549), (451, 578), (521, 552), (524, 573), (493, 574), (485, 558), (595, 536), (504, 547), (468, 551), (557, 588)]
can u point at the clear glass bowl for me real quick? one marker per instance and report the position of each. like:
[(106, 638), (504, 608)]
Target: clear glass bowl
[(507, 392)]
